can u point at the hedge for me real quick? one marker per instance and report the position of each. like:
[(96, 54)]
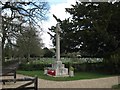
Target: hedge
[(93, 67)]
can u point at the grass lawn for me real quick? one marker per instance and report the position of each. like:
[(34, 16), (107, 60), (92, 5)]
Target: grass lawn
[(116, 86), (78, 75)]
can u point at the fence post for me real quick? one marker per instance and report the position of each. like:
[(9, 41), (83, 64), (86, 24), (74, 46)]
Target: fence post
[(15, 75), (36, 83), (118, 79)]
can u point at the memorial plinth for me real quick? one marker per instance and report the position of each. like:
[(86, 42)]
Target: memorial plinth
[(60, 69)]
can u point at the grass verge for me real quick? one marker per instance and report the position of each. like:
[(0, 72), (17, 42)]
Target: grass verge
[(116, 87), (78, 75)]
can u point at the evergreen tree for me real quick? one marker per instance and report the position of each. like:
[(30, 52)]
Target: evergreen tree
[(90, 30)]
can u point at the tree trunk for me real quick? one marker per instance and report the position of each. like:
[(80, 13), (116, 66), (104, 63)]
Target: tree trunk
[(3, 51), (28, 57)]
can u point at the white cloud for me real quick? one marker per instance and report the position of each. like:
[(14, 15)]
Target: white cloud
[(59, 11)]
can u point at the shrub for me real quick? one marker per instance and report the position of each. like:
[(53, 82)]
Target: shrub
[(92, 67), (32, 67), (71, 68)]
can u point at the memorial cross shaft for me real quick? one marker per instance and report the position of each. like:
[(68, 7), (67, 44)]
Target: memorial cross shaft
[(58, 30)]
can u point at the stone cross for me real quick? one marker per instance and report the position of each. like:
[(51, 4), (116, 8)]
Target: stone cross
[(58, 30)]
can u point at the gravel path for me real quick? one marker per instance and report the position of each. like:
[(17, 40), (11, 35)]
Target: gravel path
[(89, 83)]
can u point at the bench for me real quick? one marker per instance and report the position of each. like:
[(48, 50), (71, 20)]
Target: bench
[(24, 86)]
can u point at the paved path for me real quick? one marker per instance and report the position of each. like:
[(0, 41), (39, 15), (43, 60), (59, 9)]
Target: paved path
[(89, 83)]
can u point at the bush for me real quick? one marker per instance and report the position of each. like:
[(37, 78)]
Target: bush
[(32, 67), (84, 67), (71, 68), (8, 63)]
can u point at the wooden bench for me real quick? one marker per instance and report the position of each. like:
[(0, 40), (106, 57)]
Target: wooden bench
[(24, 86)]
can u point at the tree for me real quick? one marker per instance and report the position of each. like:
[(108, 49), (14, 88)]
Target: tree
[(93, 31), (48, 53), (89, 30), (16, 14), (29, 43)]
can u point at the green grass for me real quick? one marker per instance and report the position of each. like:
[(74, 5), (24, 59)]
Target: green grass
[(116, 86), (78, 75)]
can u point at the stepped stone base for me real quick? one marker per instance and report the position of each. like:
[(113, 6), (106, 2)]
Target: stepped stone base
[(58, 70)]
